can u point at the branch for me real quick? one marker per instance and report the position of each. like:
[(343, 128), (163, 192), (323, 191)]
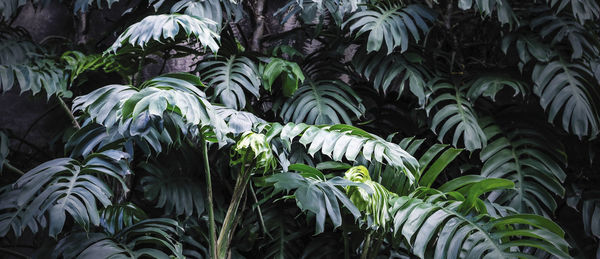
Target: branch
[(260, 25), (64, 106)]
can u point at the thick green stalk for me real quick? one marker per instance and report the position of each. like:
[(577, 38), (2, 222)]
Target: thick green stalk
[(65, 107), (375, 249), (346, 244), (212, 235), (229, 221), (366, 245)]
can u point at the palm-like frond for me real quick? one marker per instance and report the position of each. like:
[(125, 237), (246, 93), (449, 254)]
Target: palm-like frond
[(315, 194), (154, 238), (454, 111), (528, 158), (229, 77), (568, 88), (487, 7), (171, 189), (312, 9), (15, 51), (489, 86), (343, 141), (61, 186), (562, 29), (392, 72), (393, 24), (127, 107), (41, 74), (434, 228), (432, 161), (238, 121), (322, 102), (117, 217), (527, 46), (285, 233), (583, 10), (145, 31)]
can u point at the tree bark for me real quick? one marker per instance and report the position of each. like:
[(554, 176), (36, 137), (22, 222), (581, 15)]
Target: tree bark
[(260, 25)]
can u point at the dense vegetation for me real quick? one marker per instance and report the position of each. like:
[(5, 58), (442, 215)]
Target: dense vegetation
[(354, 129)]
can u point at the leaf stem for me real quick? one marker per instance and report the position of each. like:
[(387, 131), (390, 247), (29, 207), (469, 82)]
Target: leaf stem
[(366, 245), (13, 169), (65, 107), (211, 215), (260, 216), (346, 245)]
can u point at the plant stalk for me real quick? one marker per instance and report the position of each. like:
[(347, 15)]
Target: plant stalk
[(366, 245), (229, 221), (211, 215), (65, 107), (346, 245), (13, 169)]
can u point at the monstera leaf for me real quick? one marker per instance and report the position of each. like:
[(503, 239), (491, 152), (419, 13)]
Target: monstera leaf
[(570, 89), (533, 161), (322, 102), (393, 24), (117, 217), (343, 141), (454, 111), (372, 201), (136, 110), (563, 28), (41, 74), (43, 196), (176, 191), (311, 9), (487, 7), (316, 195), (434, 228), (142, 33), (229, 77), (154, 238), (392, 72), (489, 86), (583, 10), (432, 161), (15, 51)]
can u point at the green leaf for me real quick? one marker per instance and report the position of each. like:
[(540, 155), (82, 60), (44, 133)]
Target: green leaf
[(568, 88), (322, 198), (489, 86), (529, 159), (454, 111), (486, 7), (322, 102), (170, 26), (435, 229), (344, 141), (393, 24), (154, 238), (289, 72), (391, 72), (230, 77), (134, 111), (43, 196)]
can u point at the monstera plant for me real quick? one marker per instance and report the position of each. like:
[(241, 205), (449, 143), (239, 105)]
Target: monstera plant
[(304, 129)]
